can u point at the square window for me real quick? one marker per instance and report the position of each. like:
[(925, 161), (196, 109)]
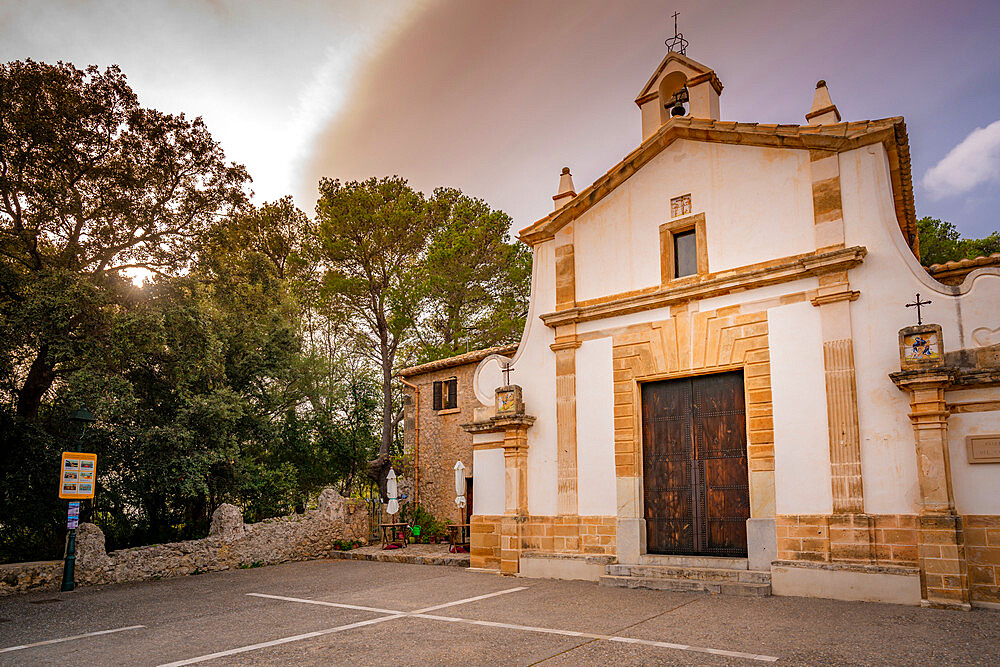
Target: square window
[(446, 394), (685, 254), (680, 206)]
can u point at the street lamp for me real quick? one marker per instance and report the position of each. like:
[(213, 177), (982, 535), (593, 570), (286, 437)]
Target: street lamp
[(82, 418)]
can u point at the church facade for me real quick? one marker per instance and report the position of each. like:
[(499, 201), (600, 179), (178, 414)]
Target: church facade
[(719, 373)]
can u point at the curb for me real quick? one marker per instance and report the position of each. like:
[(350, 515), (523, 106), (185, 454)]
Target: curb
[(452, 560)]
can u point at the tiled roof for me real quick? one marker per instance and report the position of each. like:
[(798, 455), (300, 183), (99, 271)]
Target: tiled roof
[(474, 356), (982, 260)]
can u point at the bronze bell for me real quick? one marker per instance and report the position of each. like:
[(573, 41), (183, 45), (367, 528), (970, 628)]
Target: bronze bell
[(677, 110)]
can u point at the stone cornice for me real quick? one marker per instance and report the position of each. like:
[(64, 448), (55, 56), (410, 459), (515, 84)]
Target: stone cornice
[(820, 112), (942, 376), (948, 377), (709, 76), (502, 423), (775, 272), (834, 297)]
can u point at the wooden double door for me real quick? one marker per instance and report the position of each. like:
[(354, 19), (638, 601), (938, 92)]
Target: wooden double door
[(695, 486)]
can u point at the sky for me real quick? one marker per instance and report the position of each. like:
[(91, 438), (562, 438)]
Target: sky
[(496, 96)]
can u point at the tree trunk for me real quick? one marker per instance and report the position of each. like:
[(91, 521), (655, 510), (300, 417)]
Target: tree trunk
[(40, 378), (379, 467)]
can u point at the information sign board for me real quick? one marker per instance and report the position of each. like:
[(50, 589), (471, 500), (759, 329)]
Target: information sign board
[(77, 477)]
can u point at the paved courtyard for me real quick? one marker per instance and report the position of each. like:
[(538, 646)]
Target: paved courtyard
[(359, 612)]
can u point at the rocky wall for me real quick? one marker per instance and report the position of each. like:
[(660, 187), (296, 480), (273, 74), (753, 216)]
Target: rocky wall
[(230, 544)]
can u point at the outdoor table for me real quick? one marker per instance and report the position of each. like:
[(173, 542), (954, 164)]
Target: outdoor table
[(458, 536), (394, 533)]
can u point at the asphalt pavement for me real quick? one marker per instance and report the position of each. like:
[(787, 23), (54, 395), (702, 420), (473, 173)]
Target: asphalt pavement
[(359, 612)]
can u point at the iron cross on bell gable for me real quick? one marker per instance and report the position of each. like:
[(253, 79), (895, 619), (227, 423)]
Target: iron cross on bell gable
[(918, 303), (507, 368)]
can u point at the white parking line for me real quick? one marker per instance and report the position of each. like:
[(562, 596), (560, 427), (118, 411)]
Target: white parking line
[(326, 604), (421, 613), (466, 600), (610, 638), (276, 642), (393, 614), (66, 639)]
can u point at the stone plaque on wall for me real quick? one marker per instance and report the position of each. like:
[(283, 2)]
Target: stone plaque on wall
[(983, 448)]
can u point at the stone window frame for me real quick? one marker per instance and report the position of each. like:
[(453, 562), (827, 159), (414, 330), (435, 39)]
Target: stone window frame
[(668, 229)]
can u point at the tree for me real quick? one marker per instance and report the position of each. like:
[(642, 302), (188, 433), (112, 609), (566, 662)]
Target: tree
[(371, 239), (940, 242), (475, 284), (91, 183)]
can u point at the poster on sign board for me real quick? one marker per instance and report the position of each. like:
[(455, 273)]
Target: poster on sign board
[(78, 472)]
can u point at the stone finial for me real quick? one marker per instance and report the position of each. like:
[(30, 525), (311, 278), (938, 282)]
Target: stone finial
[(566, 190), (227, 523), (823, 111)]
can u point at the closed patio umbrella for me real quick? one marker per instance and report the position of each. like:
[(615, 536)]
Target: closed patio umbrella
[(392, 490), (460, 484)]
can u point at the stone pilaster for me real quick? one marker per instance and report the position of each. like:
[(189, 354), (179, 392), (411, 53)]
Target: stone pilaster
[(566, 467), (842, 417), (565, 277), (940, 544), (833, 298), (515, 457), (496, 541)]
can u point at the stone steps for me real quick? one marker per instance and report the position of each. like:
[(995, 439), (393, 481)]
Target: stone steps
[(694, 561), (724, 576), (694, 573), (691, 585)]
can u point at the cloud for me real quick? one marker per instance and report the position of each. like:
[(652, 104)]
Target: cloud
[(974, 161)]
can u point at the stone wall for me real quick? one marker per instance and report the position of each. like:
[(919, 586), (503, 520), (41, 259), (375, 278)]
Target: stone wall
[(442, 439), (230, 544), (540, 535), (879, 539), (982, 548)]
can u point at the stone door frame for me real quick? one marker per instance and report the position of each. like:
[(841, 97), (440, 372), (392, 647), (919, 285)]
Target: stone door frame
[(688, 345)]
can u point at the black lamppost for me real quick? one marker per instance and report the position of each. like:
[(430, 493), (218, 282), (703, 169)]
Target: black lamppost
[(83, 418)]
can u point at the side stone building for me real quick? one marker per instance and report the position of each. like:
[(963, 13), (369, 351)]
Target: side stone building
[(439, 399)]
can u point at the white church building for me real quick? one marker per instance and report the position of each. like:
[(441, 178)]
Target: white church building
[(720, 387)]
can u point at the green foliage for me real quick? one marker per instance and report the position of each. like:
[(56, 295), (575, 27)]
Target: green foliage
[(346, 545), (430, 527), (371, 238), (428, 278), (256, 366), (91, 183), (940, 242), (250, 566), (474, 284)]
